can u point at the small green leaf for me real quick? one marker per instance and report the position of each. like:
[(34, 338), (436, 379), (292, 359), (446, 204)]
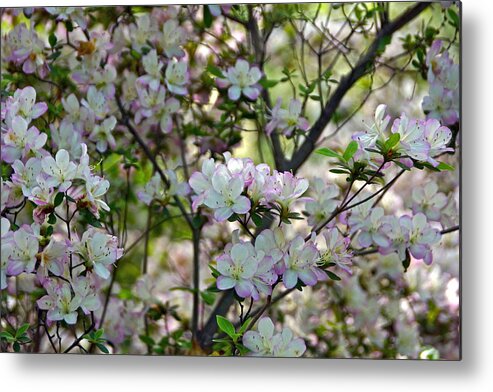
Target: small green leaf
[(147, 340), (245, 326), (22, 330), (332, 275), (445, 166), (226, 326), (51, 219), (207, 17), (213, 70), (328, 153), (454, 17), (102, 347), (339, 171), (407, 261), (52, 40), (392, 140), (266, 83), (208, 297), (350, 150), (58, 199)]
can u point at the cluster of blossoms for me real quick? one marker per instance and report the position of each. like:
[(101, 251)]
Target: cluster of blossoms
[(255, 269), (419, 140), (23, 48), (152, 105), (392, 234), (66, 266), (442, 101), (157, 39), (156, 191), (238, 185), (288, 120), (265, 343)]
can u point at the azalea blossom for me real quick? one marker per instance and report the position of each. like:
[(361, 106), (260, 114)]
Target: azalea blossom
[(287, 120), (301, 263), (263, 342), (322, 203), (429, 201), (337, 250), (284, 188), (177, 77), (98, 250), (172, 38), (25, 247), (237, 269), (20, 142), (61, 169), (103, 136), (241, 79), (60, 303), (23, 103), (225, 197)]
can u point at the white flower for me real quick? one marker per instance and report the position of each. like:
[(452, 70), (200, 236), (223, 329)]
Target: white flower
[(225, 196), (286, 121), (98, 250), (265, 343), (86, 294), (25, 175), (172, 38), (177, 77), (22, 103), (429, 201), (242, 80), (237, 269), (61, 169), (301, 263), (102, 134), (19, 141), (24, 250), (323, 203), (96, 102), (152, 66), (59, 303)]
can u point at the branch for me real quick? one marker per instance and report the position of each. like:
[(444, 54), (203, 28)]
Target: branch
[(361, 68)]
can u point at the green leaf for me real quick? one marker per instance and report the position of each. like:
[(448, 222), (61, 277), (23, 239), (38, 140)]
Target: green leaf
[(213, 70), (257, 219), (207, 17), (328, 153), (7, 336), (332, 275), (245, 326), (51, 219), (339, 171), (208, 297), (17, 347), (226, 326), (350, 150), (103, 348), (445, 166), (454, 17), (147, 340), (58, 199), (392, 140), (22, 330), (52, 40), (266, 83), (407, 261)]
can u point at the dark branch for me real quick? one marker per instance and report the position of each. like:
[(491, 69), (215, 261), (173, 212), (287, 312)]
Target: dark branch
[(364, 64)]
